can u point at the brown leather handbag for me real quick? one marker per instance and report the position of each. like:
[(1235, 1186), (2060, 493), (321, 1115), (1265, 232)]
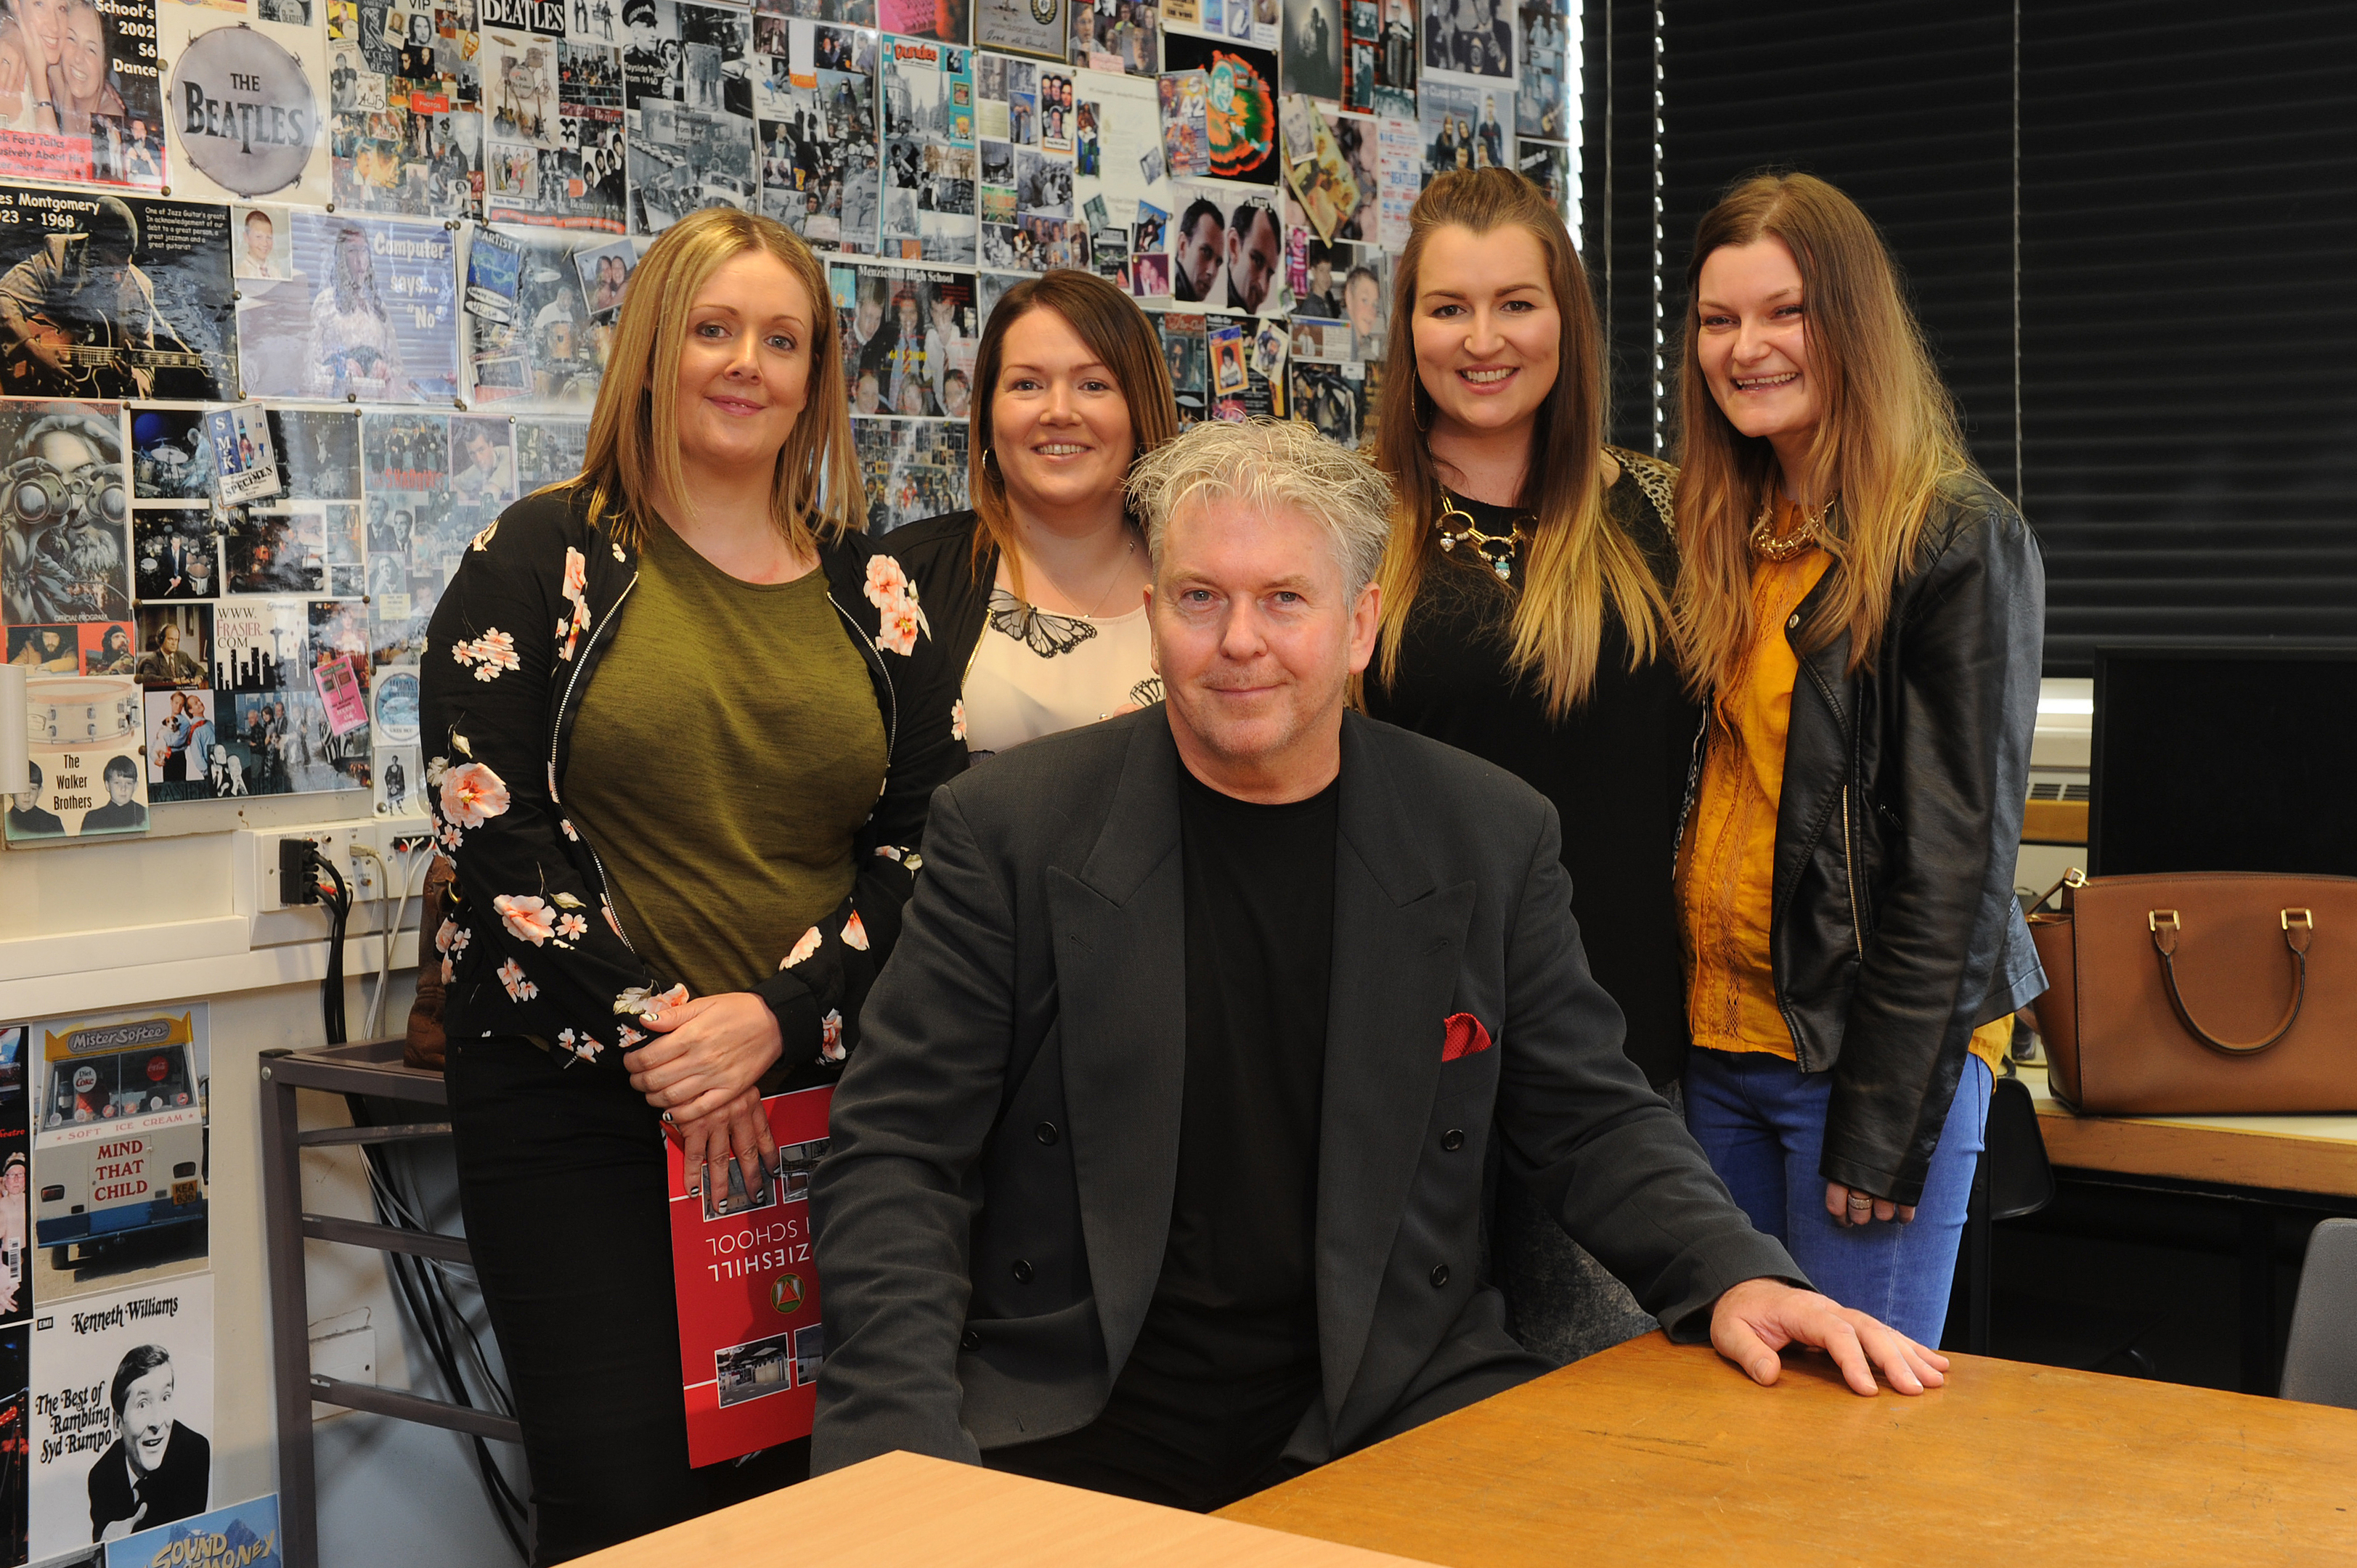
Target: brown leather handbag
[(424, 1045), (2217, 993)]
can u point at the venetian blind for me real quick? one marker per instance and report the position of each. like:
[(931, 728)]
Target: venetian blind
[(2127, 230), (2189, 245)]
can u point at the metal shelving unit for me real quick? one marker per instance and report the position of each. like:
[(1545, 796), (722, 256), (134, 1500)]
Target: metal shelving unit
[(371, 1067)]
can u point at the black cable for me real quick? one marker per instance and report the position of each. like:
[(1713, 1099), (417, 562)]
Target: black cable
[(416, 1284), (424, 1297), (415, 1279), (405, 1196), (340, 915), (506, 1505)]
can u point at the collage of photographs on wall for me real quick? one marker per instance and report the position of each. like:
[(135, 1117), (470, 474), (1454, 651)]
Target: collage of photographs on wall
[(249, 424), (297, 295), (253, 423)]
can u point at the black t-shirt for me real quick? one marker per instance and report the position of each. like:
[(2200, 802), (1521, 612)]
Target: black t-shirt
[(1615, 766), (1226, 1362)]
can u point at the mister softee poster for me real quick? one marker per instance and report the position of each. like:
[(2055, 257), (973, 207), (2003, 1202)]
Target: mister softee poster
[(750, 1342)]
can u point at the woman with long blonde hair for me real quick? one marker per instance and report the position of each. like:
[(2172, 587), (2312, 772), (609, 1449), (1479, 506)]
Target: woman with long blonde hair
[(1862, 614), (684, 823), (1525, 618)]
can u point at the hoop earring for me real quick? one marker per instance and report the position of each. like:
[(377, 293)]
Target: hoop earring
[(1416, 403)]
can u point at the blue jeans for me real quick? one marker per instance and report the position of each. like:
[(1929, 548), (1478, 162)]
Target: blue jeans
[(1761, 1122)]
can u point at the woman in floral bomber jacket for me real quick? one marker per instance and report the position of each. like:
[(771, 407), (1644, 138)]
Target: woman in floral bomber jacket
[(686, 726)]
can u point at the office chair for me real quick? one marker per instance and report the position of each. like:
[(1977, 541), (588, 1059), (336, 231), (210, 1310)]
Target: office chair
[(2012, 1179), (2320, 1361)]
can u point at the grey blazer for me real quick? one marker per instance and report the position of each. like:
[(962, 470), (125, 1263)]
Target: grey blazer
[(992, 1219)]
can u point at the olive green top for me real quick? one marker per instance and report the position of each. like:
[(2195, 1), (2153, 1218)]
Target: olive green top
[(727, 749)]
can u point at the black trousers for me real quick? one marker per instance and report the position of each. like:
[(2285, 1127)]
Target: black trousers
[(560, 1179), (1112, 1456)]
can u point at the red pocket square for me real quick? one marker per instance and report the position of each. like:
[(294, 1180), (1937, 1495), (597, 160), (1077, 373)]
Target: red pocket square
[(1463, 1035)]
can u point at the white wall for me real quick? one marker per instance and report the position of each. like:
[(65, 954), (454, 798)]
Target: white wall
[(94, 926)]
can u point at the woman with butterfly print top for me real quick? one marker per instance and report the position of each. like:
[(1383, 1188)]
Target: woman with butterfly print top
[(1038, 594), (1525, 620)]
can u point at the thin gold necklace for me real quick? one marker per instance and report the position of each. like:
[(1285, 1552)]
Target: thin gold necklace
[(1496, 551), (1129, 548), (1775, 551)]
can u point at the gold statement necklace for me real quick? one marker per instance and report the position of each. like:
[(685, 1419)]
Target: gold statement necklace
[(1496, 550), (1766, 545)]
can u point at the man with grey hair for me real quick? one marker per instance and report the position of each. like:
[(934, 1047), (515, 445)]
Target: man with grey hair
[(1159, 1168)]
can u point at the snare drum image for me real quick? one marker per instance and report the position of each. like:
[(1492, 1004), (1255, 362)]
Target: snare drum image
[(84, 740), (87, 711)]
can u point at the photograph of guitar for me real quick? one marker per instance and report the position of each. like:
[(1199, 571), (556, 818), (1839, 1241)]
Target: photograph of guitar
[(79, 317)]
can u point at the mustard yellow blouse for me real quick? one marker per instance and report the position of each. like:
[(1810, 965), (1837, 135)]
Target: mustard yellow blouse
[(1726, 867)]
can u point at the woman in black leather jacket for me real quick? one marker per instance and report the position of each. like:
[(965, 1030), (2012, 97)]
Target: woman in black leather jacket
[(1864, 615)]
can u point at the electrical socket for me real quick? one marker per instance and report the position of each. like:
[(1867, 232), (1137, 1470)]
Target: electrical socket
[(297, 882), (366, 875), (333, 840), (368, 879), (406, 848)]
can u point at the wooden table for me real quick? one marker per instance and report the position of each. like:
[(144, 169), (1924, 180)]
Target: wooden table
[(1659, 1454), (2287, 1154), (902, 1511)]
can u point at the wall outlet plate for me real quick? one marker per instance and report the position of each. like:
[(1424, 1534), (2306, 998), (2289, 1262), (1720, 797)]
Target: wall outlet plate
[(260, 889)]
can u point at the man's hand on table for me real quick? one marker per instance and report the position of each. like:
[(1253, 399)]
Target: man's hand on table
[(1753, 1321)]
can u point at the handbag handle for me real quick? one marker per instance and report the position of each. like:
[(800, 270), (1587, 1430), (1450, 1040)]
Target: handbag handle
[(2073, 878), (2298, 925)]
